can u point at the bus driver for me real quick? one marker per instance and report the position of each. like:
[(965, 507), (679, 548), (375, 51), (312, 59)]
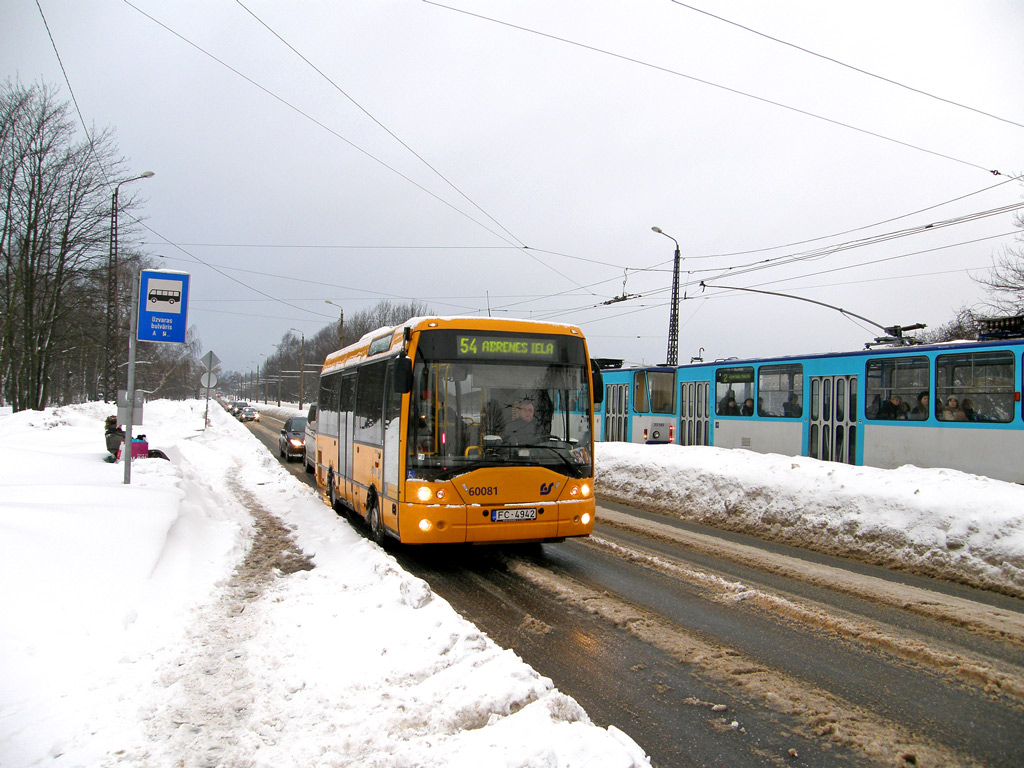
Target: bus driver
[(524, 429)]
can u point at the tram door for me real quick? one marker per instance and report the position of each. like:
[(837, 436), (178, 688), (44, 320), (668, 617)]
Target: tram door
[(616, 407), (833, 422), (693, 413)]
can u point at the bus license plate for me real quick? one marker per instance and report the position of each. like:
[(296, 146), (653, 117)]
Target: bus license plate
[(505, 515)]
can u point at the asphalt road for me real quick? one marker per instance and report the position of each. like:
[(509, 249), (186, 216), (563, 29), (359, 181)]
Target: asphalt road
[(716, 649)]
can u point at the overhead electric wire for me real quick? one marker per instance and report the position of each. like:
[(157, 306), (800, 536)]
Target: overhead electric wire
[(692, 283), (313, 120), (849, 66), (199, 48), (860, 228), (67, 80), (703, 81), (383, 127)]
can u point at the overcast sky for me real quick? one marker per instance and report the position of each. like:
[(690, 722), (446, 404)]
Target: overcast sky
[(512, 156)]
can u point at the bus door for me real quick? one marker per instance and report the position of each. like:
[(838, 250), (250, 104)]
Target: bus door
[(345, 423), (832, 428), (693, 413), (616, 412)]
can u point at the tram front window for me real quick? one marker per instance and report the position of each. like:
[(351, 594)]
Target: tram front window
[(466, 415)]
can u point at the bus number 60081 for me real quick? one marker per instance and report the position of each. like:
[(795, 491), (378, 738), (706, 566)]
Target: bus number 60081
[(484, 490)]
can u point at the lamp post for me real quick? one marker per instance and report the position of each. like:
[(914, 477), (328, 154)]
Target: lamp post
[(341, 321), (110, 366), (266, 375), (673, 317), (302, 363)]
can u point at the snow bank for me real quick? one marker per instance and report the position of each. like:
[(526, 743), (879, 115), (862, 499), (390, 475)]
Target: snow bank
[(937, 522)]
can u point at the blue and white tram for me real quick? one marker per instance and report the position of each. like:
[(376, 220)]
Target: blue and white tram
[(954, 405)]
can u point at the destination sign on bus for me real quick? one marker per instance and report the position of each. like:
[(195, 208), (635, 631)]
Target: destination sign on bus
[(507, 347)]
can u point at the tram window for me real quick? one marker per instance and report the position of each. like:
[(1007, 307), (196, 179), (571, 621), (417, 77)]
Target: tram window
[(780, 390), (641, 403), (893, 384), (662, 391), (975, 386), (733, 387)]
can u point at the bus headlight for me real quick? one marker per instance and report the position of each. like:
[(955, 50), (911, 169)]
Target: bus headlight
[(585, 519), (585, 490), (423, 494), (425, 525)]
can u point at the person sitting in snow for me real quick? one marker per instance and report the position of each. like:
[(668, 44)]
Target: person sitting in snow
[(114, 435)]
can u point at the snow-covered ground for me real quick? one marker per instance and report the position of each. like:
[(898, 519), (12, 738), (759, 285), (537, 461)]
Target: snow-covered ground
[(138, 626), (128, 637)]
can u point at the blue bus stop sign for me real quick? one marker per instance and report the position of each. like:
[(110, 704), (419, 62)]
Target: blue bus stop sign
[(163, 306)]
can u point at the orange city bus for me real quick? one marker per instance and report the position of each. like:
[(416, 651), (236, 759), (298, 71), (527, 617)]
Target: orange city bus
[(423, 430)]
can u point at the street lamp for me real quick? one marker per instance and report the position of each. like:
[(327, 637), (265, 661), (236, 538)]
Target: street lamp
[(302, 363), (341, 322), (109, 389), (673, 317)]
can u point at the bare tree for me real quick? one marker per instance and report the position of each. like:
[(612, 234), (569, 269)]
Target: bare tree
[(53, 236), (288, 355), (963, 326), (1005, 283)]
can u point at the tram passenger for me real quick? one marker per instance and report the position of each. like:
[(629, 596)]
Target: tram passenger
[(969, 413), (890, 409), (920, 410), (952, 411), (792, 407), (748, 407), (727, 406)]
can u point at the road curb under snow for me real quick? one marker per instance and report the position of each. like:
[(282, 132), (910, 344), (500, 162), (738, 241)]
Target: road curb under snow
[(935, 522)]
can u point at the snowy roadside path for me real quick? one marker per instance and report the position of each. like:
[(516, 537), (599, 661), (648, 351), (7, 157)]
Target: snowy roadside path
[(321, 650), (204, 716)]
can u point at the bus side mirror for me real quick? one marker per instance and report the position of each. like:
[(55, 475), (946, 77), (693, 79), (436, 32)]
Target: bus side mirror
[(403, 375), (595, 373)]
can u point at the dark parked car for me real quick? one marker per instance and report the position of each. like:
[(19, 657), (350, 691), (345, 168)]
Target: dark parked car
[(292, 442)]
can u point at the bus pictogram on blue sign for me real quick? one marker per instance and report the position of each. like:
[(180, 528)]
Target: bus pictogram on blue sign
[(163, 306)]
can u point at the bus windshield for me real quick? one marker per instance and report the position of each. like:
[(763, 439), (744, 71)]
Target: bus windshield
[(484, 407)]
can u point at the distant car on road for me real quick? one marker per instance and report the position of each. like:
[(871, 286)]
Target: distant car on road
[(248, 413), (292, 442)]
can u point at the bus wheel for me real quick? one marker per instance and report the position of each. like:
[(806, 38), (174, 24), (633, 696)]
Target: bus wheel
[(376, 524), (332, 494)]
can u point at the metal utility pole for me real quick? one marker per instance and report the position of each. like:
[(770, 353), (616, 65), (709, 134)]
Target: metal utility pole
[(672, 354), (110, 365), (302, 364), (341, 322)]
